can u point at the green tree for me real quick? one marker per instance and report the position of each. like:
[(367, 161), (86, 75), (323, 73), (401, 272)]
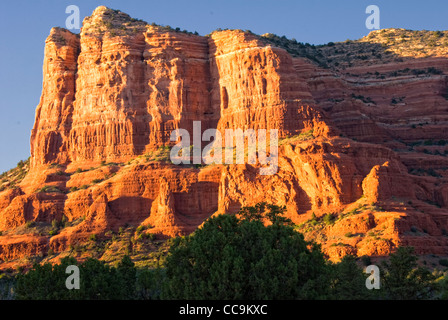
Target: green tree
[(233, 258), (126, 272), (349, 281), (403, 279), (7, 283), (45, 282), (263, 210), (441, 285), (253, 213), (150, 283), (98, 281)]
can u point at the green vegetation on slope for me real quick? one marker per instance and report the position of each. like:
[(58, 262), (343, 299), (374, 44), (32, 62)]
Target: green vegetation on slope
[(253, 255), (11, 178), (380, 46)]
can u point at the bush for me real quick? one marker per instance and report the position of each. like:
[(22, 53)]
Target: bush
[(349, 281), (49, 189), (59, 224), (443, 262), (98, 281), (366, 260), (30, 224), (151, 236), (349, 235), (232, 258), (140, 229), (328, 219), (150, 283), (7, 283), (403, 279)]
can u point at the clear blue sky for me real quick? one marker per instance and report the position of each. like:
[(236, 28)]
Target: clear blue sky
[(24, 26)]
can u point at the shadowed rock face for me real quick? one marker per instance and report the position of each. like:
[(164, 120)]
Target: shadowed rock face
[(349, 139)]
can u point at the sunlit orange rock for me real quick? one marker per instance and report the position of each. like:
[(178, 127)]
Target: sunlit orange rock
[(113, 94)]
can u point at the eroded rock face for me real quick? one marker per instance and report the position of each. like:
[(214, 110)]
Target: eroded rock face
[(113, 94), (49, 137), (256, 87)]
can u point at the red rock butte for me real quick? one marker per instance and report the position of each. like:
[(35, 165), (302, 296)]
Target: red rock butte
[(362, 126)]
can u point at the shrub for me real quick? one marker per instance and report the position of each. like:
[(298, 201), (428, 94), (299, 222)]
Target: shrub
[(140, 229), (30, 224), (328, 219), (149, 283), (98, 281), (349, 234), (443, 262), (403, 279), (49, 189), (366, 260), (349, 281), (248, 261)]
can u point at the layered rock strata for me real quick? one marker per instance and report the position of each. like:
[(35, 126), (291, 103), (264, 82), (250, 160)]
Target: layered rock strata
[(348, 148)]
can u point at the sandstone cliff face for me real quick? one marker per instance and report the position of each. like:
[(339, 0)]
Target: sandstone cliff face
[(256, 87), (55, 110), (351, 141), (133, 89)]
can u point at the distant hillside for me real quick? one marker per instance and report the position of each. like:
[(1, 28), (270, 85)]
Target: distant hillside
[(379, 46)]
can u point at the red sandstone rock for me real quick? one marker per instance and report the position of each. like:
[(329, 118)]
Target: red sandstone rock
[(115, 92)]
